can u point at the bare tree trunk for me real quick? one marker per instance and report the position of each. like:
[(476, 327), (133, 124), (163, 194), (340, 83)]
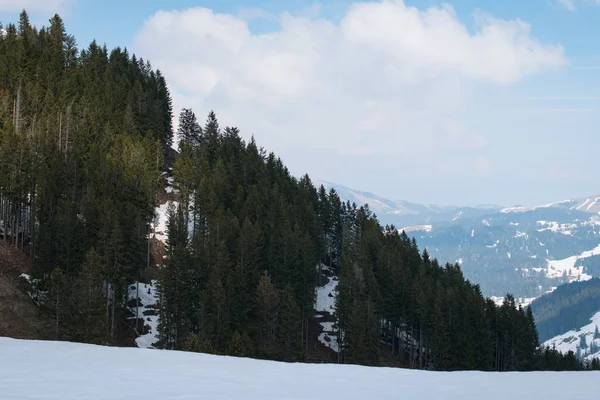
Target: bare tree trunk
[(425, 349), (112, 322), (393, 332), (148, 256), (68, 128), (412, 346), (60, 132), (13, 223), (108, 297), (307, 333), (23, 219), (420, 346), (17, 224), (4, 219), (400, 344), (32, 128), (339, 339), (32, 225), (137, 304), (18, 110), (57, 308)]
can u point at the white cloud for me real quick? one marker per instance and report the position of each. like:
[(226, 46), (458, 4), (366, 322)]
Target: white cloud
[(385, 80), (568, 4)]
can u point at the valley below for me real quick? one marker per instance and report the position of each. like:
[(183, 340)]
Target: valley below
[(525, 251)]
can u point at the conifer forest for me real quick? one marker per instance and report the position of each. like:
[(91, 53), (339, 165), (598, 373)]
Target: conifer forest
[(87, 147)]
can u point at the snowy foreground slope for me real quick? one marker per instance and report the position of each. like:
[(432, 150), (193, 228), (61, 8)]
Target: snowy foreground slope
[(60, 370)]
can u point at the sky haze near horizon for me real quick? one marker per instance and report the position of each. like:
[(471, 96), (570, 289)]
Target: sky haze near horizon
[(457, 102)]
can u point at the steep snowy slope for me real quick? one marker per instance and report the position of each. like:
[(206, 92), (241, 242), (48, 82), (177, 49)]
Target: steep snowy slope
[(585, 204), (584, 341), (67, 371)]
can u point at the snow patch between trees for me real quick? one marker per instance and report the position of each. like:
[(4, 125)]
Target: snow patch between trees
[(326, 296), (325, 304), (147, 310), (160, 221)]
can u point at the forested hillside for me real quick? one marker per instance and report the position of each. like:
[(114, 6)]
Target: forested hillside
[(569, 307), (82, 139), (248, 243)]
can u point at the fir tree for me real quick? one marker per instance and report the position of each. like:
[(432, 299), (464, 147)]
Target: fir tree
[(583, 343), (240, 345), (267, 302), (289, 328), (189, 129), (89, 295)]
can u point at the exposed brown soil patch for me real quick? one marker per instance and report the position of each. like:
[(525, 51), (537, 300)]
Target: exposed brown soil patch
[(19, 316)]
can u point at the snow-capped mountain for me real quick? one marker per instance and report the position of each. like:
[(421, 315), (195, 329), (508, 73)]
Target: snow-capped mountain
[(525, 253), (518, 250), (586, 204)]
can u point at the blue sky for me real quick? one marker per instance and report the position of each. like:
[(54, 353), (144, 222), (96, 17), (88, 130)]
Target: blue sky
[(117, 21), (451, 102)]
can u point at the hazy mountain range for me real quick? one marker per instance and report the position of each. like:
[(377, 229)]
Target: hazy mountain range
[(525, 251)]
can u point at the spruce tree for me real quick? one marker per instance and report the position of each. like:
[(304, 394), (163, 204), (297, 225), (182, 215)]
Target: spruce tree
[(89, 295), (240, 345), (174, 323), (289, 327), (189, 130), (583, 343), (267, 302)]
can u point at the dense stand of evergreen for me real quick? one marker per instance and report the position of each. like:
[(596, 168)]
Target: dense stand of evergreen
[(82, 139), (568, 307), (248, 241)]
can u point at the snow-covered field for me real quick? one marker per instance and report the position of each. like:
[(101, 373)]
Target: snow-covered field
[(569, 266), (67, 371)]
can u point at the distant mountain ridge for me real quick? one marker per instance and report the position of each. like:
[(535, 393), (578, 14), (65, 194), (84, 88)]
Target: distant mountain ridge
[(390, 211), (586, 204), (403, 213), (526, 251)]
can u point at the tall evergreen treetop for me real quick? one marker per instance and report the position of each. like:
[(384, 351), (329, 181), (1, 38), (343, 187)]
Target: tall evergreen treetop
[(189, 129)]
